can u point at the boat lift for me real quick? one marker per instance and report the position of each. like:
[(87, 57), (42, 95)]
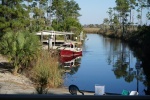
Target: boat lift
[(52, 36)]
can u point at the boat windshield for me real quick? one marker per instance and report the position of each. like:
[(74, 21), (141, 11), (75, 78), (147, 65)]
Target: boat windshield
[(66, 45)]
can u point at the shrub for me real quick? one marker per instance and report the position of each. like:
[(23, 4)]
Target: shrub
[(46, 73)]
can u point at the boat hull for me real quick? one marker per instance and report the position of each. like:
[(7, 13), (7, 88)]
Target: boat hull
[(67, 59), (69, 53), (70, 61)]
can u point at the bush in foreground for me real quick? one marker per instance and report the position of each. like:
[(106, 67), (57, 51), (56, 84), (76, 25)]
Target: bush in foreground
[(46, 73)]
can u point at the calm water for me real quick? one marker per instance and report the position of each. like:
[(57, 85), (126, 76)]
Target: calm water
[(107, 62)]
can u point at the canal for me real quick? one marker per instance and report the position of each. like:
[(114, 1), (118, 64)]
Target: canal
[(107, 62)]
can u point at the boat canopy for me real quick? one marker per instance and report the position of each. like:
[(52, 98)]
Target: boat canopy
[(53, 33)]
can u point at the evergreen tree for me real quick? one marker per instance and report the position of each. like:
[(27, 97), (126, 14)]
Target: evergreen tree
[(65, 11), (122, 7), (13, 16)]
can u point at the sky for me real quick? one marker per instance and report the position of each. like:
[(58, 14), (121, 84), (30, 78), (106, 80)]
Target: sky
[(94, 11)]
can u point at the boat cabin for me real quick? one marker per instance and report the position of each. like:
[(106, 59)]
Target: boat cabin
[(69, 45)]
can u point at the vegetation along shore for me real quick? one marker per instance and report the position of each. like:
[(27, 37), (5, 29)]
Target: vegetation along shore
[(21, 55)]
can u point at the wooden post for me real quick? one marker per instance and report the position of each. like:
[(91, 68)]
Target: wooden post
[(41, 36)]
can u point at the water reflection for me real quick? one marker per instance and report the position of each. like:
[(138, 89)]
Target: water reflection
[(143, 55), (121, 65), (70, 64), (109, 62)]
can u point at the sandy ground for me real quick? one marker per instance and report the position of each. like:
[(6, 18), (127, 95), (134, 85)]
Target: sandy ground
[(10, 84)]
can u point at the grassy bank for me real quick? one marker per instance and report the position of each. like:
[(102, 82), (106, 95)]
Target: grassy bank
[(46, 72), (91, 30)]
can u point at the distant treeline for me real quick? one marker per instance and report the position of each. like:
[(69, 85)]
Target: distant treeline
[(137, 35)]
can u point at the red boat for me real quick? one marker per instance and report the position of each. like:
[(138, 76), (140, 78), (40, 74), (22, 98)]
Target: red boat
[(70, 50)]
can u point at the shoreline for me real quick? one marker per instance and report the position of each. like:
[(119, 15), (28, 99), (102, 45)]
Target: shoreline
[(20, 84), (10, 84)]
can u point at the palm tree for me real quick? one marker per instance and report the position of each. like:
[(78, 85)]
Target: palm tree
[(20, 48)]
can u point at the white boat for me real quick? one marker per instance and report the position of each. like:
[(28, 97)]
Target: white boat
[(69, 49)]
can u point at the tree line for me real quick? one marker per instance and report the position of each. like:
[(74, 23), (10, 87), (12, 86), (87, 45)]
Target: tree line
[(120, 22), (37, 15), (122, 17)]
